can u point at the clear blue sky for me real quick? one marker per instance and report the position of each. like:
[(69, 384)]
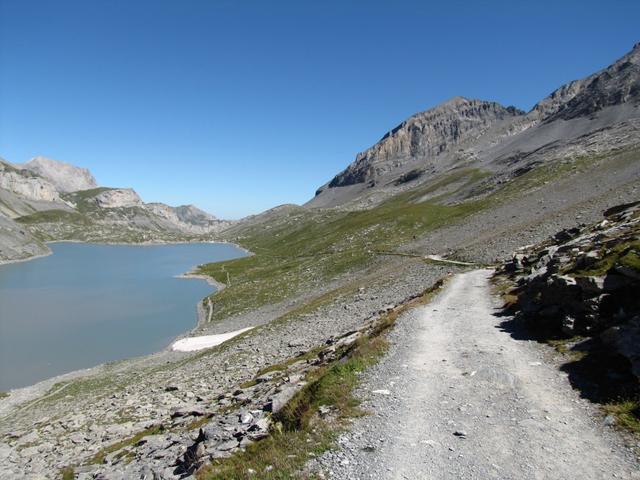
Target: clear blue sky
[(238, 106)]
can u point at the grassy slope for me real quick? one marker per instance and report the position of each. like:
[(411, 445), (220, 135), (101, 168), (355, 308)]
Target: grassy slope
[(302, 249), (337, 241), (297, 249), (54, 216)]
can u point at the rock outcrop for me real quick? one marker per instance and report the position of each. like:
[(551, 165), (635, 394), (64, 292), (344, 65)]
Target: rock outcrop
[(64, 176), (585, 281), (118, 198), (188, 217), (26, 184), (617, 84), (424, 137)]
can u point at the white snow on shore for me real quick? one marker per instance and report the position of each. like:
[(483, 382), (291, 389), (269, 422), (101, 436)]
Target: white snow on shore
[(192, 344)]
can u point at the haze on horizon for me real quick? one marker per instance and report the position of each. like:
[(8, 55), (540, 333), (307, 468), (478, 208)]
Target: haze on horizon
[(240, 107)]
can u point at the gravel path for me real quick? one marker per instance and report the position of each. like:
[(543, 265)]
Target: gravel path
[(458, 397)]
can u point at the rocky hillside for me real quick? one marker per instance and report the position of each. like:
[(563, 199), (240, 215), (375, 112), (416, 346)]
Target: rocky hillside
[(595, 114), (617, 84), (17, 243), (424, 137), (582, 285), (23, 192), (51, 200), (64, 176)]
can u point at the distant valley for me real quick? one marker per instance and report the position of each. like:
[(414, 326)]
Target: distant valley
[(46, 200)]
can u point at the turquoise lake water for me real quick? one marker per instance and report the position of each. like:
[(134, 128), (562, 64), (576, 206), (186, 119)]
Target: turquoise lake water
[(88, 304)]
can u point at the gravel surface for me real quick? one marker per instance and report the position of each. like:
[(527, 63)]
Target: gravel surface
[(458, 397)]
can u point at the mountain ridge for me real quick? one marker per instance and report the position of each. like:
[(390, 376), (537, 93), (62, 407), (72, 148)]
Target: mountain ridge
[(481, 133), (40, 201)]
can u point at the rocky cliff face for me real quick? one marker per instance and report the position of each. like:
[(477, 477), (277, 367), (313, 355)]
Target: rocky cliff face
[(617, 84), (188, 218), (118, 198), (64, 176), (26, 184), (598, 111), (424, 137), (17, 243)]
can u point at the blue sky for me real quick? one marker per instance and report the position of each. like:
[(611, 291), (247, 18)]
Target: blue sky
[(240, 106)]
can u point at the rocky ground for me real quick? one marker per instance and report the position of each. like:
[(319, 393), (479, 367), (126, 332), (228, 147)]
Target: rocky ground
[(480, 405)]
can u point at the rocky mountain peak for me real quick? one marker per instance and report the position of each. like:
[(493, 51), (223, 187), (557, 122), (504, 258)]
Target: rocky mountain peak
[(617, 84), (425, 136), (64, 176)]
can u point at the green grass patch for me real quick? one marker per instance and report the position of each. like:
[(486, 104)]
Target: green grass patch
[(626, 254), (84, 199), (3, 395), (67, 473), (565, 346), (279, 457), (627, 414), (307, 249), (299, 434), (54, 216), (100, 456)]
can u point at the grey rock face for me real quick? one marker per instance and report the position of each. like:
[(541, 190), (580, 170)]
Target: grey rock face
[(64, 176), (615, 85), (17, 243), (424, 137), (188, 218), (118, 197), (26, 184), (575, 286)]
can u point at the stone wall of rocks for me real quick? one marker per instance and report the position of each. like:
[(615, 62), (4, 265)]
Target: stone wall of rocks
[(585, 281)]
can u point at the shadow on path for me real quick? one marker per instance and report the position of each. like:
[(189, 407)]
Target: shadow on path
[(598, 374)]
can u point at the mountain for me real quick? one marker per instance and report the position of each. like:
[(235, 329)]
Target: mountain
[(503, 140), (426, 135), (64, 176), (617, 84), (46, 200)]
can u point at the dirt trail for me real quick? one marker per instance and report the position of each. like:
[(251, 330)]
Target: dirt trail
[(459, 398)]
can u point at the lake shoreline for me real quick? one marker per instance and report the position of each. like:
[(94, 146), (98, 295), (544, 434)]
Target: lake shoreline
[(152, 243), (20, 395), (26, 259)]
